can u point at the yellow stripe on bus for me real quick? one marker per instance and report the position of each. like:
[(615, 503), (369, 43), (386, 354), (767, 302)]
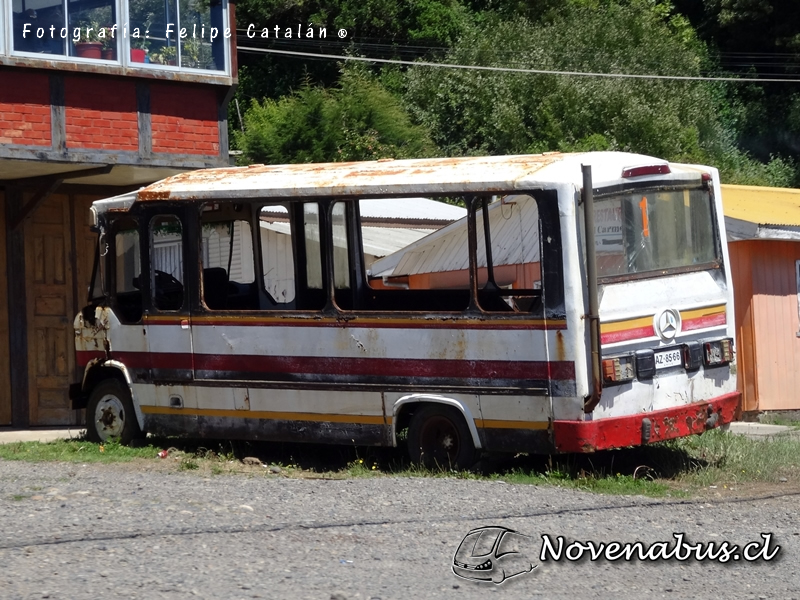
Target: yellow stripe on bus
[(703, 312), (615, 326), (254, 414), (323, 417)]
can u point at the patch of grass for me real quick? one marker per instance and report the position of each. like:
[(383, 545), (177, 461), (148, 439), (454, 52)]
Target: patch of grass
[(677, 467), (74, 450), (188, 464), (781, 419), (717, 457)]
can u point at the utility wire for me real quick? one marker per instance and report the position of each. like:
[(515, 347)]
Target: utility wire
[(419, 63)]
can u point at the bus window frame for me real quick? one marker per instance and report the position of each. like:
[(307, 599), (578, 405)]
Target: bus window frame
[(550, 252), (113, 229), (189, 219), (648, 188)]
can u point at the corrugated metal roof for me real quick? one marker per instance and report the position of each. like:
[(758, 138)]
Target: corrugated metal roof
[(417, 177), (377, 241), (410, 209), (762, 205), (399, 209), (513, 223)]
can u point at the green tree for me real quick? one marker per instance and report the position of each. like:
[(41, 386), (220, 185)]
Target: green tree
[(357, 120), (480, 112)]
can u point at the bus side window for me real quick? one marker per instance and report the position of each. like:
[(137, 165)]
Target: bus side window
[(291, 257), (127, 271), (510, 274), (166, 262), (228, 281), (409, 267)]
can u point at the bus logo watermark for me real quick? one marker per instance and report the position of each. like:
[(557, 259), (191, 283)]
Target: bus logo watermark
[(493, 554)]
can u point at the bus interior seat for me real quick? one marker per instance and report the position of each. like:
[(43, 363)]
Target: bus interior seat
[(215, 288)]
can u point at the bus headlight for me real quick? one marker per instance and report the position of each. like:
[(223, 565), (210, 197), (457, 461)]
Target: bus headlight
[(619, 369), (719, 352)]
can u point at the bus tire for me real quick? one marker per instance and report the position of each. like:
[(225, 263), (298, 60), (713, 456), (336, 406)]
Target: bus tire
[(110, 414), (438, 437)]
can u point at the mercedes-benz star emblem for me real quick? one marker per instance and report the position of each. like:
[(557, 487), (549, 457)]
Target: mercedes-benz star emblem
[(668, 324)]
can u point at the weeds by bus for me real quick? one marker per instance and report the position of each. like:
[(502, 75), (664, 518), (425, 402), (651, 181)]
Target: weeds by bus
[(584, 302)]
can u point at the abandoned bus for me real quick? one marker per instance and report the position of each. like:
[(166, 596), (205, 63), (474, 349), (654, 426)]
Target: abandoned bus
[(582, 302)]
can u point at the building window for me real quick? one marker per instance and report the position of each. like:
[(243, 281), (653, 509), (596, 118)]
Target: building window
[(185, 33), (66, 27), (171, 34)]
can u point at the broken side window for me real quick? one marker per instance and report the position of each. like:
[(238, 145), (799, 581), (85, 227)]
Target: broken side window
[(415, 255), (127, 271), (166, 262), (291, 259), (228, 276), (510, 273)]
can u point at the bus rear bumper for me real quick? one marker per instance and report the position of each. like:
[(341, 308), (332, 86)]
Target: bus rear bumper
[(634, 430)]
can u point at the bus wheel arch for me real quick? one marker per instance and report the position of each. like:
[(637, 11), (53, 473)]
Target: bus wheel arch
[(441, 431), (104, 377)]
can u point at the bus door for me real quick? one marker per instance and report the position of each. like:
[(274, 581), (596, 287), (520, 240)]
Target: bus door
[(168, 319)]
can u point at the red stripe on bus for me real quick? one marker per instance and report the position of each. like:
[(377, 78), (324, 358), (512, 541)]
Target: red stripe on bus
[(704, 321), (82, 357), (323, 365), (625, 335)]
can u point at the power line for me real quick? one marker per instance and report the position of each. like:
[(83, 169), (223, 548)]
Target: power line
[(418, 63)]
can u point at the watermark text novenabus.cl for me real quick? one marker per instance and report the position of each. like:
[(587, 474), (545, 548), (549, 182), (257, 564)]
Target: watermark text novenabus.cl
[(559, 549)]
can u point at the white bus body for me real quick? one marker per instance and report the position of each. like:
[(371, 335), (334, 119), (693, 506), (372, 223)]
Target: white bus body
[(466, 349)]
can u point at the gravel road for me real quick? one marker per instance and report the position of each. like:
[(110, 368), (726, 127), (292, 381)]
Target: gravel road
[(110, 531)]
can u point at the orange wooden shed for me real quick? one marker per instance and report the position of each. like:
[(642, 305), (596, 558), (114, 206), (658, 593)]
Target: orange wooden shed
[(763, 227)]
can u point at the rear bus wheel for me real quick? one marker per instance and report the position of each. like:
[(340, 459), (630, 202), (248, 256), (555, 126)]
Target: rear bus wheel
[(110, 414), (438, 437)]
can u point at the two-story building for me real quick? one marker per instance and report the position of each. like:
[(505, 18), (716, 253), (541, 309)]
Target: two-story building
[(97, 97)]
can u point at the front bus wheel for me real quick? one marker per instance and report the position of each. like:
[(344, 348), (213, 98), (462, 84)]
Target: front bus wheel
[(438, 437), (110, 414)]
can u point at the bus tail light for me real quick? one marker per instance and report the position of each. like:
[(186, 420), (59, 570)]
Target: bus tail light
[(692, 356), (618, 370), (719, 352), (645, 170)]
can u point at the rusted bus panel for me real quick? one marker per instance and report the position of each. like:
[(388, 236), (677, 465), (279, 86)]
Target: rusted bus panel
[(776, 323)]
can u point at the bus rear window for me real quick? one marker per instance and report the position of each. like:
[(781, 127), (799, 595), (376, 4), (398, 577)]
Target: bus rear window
[(640, 232)]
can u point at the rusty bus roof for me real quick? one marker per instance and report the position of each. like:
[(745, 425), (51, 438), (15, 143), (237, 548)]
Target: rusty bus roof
[(376, 178), (381, 178)]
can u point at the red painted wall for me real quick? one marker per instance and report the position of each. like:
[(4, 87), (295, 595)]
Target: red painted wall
[(184, 120), (101, 114), (25, 109)]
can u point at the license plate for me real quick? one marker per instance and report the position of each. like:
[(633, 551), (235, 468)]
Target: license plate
[(669, 358)]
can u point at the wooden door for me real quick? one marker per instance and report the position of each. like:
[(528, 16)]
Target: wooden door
[(58, 255), (48, 274)]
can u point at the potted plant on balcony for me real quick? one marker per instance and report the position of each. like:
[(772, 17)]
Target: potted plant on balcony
[(109, 50), (89, 44), (139, 48), (166, 55), (197, 54)]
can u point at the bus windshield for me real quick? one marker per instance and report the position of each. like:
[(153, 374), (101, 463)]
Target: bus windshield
[(653, 231)]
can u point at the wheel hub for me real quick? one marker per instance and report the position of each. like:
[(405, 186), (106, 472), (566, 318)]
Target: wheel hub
[(110, 417)]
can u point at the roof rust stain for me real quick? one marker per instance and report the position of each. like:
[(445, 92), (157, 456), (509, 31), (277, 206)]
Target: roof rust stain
[(349, 177)]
